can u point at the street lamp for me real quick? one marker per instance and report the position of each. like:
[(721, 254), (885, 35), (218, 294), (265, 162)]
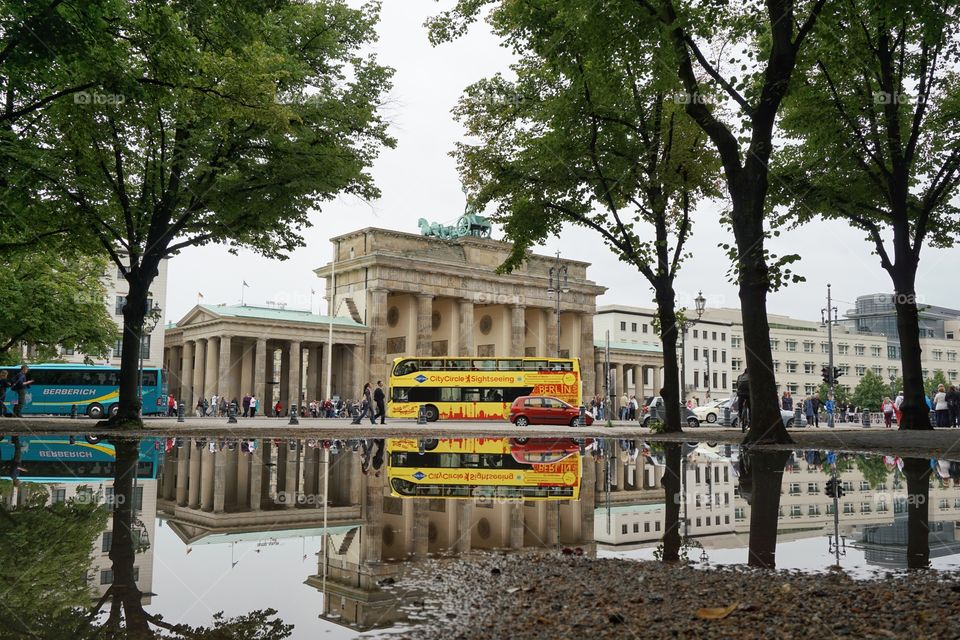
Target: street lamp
[(700, 305), (150, 321), (558, 285)]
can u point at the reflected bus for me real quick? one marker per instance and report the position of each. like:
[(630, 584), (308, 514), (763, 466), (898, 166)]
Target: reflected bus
[(54, 459)]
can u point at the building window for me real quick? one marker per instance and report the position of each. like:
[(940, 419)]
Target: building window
[(623, 529), (848, 507), (645, 328), (696, 353), (774, 344), (723, 337), (824, 347), (735, 364), (736, 341), (951, 356), (808, 346), (633, 327), (937, 354), (696, 379), (944, 503), (875, 351), (794, 488), (656, 526), (714, 355), (106, 576), (696, 472), (813, 510), (776, 366), (714, 337), (795, 511), (723, 356), (118, 309), (646, 527), (791, 345), (859, 350), (843, 349), (812, 487), (107, 541), (809, 389), (58, 495), (861, 369), (724, 380), (808, 368), (699, 522), (865, 507), (738, 513), (69, 351), (791, 367), (623, 327), (118, 348), (636, 527), (695, 333), (714, 379), (893, 353)]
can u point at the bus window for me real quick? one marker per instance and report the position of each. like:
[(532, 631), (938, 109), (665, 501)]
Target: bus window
[(491, 395), (512, 393), (458, 364), (405, 367), (470, 395), (401, 394), (510, 365), (149, 378), (450, 394), (425, 394), (534, 365), (432, 365), (485, 365)]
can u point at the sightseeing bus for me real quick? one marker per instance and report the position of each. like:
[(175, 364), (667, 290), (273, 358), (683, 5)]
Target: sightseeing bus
[(477, 388), (94, 389), (484, 468), (56, 459)]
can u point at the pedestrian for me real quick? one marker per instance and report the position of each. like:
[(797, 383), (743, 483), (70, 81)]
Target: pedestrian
[(896, 406), (254, 403), (810, 413), (214, 404), (829, 406), (380, 398), (171, 406), (278, 409), (816, 410), (198, 410), (634, 405), (842, 411), (366, 406), (20, 384), (5, 383), (245, 403), (888, 409), (953, 406), (941, 407), (224, 406), (624, 406), (786, 402)]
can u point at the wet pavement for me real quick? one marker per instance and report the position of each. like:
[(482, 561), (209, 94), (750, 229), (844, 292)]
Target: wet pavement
[(474, 537)]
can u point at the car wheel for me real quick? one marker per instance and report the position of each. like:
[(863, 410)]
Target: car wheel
[(575, 421), (114, 409), (521, 421), (789, 424), (711, 418), (432, 413), (95, 410), (693, 423), (645, 422)]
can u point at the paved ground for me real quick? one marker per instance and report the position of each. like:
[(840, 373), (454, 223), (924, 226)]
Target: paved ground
[(941, 443)]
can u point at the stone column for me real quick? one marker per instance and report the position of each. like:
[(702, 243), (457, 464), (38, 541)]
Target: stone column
[(551, 320), (598, 380), (256, 478), (212, 360), (656, 381), (293, 376), (260, 375), (242, 497), (587, 503), (617, 391), (174, 364), (517, 333), (186, 376), (464, 525), (183, 475), (361, 373), (372, 542), (193, 499), (421, 528), (313, 373), (224, 382), (516, 525), (377, 321), (587, 352), (199, 370), (290, 476), (219, 480), (552, 527), (465, 345), (424, 337), (638, 383), (206, 479), (246, 369), (622, 380)]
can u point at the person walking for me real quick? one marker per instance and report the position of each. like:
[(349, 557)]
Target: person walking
[(940, 407), (786, 402), (278, 409), (953, 406), (381, 399), (254, 403), (896, 406), (810, 413), (816, 410), (366, 406), (829, 406), (224, 406), (171, 406), (624, 406), (20, 384), (5, 383), (888, 409)]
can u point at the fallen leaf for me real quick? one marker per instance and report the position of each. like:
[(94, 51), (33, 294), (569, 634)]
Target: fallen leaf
[(716, 613)]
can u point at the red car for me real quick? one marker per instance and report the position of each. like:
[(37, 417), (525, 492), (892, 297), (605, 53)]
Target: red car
[(546, 450), (545, 410)]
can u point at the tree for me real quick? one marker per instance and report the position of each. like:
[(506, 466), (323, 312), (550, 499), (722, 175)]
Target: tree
[(744, 144), (930, 385), (873, 468), (53, 296), (875, 144), (870, 392), (588, 135), (213, 126)]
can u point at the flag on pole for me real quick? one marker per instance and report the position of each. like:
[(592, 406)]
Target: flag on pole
[(312, 292), (245, 283), (199, 296)]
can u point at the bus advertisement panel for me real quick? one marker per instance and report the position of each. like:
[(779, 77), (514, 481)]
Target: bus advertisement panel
[(480, 468), (94, 389), (477, 388), (57, 459)]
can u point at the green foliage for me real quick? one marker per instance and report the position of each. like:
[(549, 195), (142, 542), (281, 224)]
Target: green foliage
[(53, 297), (930, 384), (873, 469), (870, 391), (44, 559)]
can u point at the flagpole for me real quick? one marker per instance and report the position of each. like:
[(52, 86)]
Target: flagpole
[(242, 287)]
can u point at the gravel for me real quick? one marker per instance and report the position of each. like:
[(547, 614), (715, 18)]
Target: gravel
[(490, 595)]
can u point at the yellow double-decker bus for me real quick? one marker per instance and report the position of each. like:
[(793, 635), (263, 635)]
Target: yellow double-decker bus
[(477, 388), (484, 468)]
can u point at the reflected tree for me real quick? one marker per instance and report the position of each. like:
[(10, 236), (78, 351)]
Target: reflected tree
[(761, 473), (917, 471), (672, 488)]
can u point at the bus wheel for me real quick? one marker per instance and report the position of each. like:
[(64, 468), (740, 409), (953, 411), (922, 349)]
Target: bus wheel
[(92, 439), (429, 444), (95, 410), (114, 409), (433, 414), (520, 441)]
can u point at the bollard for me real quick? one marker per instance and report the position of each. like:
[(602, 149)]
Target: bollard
[(726, 415), (73, 411), (797, 416), (582, 418), (422, 415), (181, 413), (232, 413), (293, 415), (865, 419)]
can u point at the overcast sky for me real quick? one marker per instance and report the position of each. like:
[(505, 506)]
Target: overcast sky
[(419, 179)]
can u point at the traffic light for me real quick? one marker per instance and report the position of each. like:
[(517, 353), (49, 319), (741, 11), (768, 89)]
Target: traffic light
[(837, 372), (825, 372), (831, 488), (839, 489)]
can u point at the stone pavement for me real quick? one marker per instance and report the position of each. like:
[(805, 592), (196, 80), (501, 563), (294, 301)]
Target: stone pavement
[(940, 443)]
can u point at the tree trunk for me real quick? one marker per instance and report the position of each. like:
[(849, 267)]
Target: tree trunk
[(918, 471), (672, 498), (766, 423), (666, 301), (915, 414), (766, 470)]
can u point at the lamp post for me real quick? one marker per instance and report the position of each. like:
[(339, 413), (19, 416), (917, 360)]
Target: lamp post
[(828, 318), (150, 322), (558, 285), (685, 324)]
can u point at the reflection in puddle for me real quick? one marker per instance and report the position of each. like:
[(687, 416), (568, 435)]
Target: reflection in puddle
[(330, 532)]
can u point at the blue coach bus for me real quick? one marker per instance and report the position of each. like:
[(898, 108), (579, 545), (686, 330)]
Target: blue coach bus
[(57, 459), (94, 389)]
